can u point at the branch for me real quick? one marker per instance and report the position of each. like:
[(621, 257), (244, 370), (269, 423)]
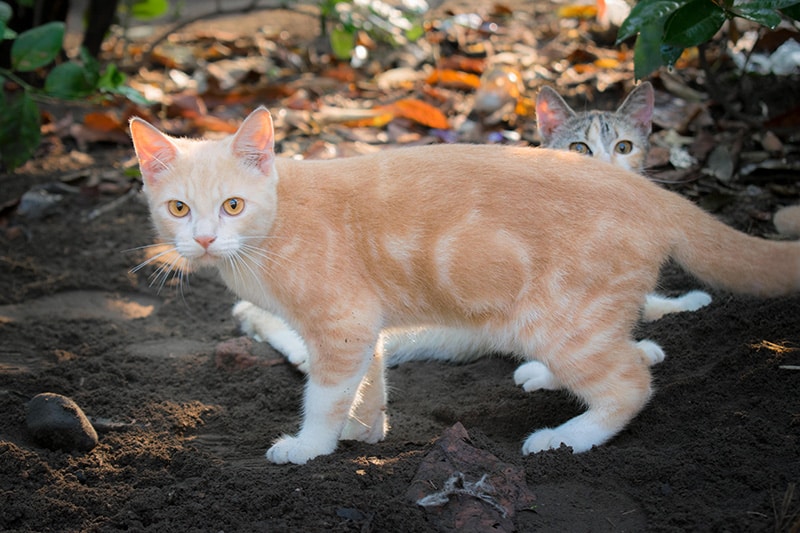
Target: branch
[(219, 12)]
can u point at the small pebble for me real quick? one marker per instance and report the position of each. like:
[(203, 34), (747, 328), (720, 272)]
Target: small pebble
[(56, 422)]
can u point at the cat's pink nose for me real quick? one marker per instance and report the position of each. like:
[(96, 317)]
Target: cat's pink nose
[(205, 240)]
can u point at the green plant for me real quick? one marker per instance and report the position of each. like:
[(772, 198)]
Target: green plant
[(35, 50), (664, 28), (381, 21)]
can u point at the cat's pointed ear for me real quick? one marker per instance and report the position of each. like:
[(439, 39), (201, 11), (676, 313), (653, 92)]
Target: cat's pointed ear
[(153, 149), (551, 111), (254, 142), (638, 106)]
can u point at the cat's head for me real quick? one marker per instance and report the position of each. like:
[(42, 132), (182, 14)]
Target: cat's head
[(619, 137), (213, 201)]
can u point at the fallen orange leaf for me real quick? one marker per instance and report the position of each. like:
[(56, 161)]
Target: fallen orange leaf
[(454, 79), (421, 113), (100, 121), (577, 11), (380, 119), (606, 63), (462, 63), (210, 123)]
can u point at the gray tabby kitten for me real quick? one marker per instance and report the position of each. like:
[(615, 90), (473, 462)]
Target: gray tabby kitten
[(619, 137)]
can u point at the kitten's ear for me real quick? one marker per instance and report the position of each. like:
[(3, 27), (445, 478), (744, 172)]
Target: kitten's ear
[(153, 149), (551, 112), (638, 106), (255, 140)]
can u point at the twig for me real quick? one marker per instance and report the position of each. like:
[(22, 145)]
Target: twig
[(110, 206), (219, 12)]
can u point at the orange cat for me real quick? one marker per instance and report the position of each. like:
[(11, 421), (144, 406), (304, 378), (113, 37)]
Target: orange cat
[(549, 253)]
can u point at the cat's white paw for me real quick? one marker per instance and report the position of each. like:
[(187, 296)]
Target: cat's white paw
[(366, 432), (290, 449), (652, 353), (694, 300), (544, 439), (263, 326), (533, 375), (656, 306), (579, 440)]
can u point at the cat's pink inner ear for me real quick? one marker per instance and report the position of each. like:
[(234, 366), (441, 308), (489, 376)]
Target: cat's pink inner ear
[(153, 149), (639, 106), (551, 111), (255, 140)]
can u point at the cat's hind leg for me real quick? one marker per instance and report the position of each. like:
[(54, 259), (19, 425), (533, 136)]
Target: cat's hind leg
[(613, 381), (533, 375), (656, 305)]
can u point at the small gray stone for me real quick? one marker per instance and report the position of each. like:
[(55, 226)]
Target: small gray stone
[(56, 422)]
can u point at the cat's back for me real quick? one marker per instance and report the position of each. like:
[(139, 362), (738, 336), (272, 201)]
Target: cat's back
[(503, 182)]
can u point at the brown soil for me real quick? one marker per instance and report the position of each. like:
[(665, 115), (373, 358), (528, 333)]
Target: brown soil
[(716, 449)]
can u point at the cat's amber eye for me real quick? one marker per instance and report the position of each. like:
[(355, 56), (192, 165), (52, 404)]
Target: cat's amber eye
[(233, 206), (177, 208), (624, 147), (581, 148)]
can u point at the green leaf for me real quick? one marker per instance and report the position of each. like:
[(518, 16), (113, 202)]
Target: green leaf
[(37, 47), (670, 54), (5, 12), (342, 42), (70, 81), (149, 9), (694, 23), (646, 14), (132, 94), (792, 11), (19, 130), (766, 17), (763, 4), (765, 12), (111, 79), (647, 50)]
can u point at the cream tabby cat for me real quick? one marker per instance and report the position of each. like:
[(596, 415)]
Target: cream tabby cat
[(619, 137), (548, 253)]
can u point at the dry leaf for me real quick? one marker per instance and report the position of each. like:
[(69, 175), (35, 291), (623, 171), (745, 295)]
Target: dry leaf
[(454, 79), (103, 121), (577, 11), (421, 113)]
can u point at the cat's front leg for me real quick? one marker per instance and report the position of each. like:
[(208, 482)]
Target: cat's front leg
[(367, 421), (263, 326), (335, 375)]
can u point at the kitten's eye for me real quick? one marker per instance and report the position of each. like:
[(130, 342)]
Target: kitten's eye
[(623, 147), (177, 208), (233, 206), (581, 148)]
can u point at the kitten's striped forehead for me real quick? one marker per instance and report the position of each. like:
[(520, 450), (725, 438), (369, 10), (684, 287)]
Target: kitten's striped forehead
[(602, 129)]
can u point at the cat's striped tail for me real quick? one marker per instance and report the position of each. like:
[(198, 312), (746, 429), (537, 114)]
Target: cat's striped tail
[(724, 257)]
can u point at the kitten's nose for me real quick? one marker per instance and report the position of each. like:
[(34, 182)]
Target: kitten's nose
[(205, 240)]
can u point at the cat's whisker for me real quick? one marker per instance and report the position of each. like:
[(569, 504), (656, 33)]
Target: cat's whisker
[(173, 268), (156, 258)]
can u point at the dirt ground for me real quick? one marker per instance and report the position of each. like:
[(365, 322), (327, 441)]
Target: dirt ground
[(717, 449), (186, 426)]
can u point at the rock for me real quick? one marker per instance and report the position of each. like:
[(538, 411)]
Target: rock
[(56, 422)]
